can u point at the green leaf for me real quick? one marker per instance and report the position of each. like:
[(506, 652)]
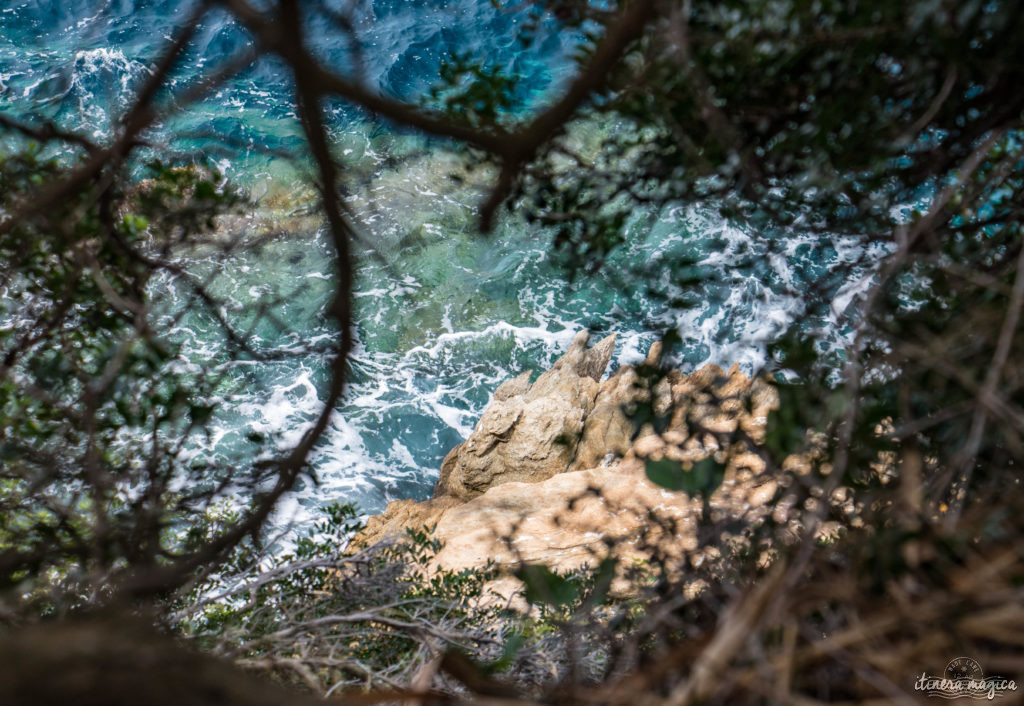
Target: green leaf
[(666, 473), (788, 423), (545, 586), (704, 477), (603, 578), (9, 452), (512, 647)]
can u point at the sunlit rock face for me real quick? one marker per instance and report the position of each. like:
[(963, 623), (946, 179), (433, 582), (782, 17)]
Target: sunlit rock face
[(554, 472), (530, 432)]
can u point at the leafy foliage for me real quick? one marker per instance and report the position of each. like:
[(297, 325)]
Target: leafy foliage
[(90, 388), (322, 616), (102, 406), (474, 92)]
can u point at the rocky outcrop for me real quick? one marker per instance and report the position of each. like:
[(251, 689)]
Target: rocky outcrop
[(402, 514), (530, 432), (564, 522), (554, 472), (610, 427)]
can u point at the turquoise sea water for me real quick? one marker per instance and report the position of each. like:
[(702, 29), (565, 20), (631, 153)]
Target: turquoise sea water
[(443, 314)]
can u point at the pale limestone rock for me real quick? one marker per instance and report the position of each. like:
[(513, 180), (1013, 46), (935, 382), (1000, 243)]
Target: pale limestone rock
[(529, 432), (595, 361), (514, 387), (608, 429), (763, 399), (399, 515), (553, 473), (568, 521), (536, 522), (653, 358)]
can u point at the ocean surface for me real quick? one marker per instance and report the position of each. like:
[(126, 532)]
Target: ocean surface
[(444, 314)]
